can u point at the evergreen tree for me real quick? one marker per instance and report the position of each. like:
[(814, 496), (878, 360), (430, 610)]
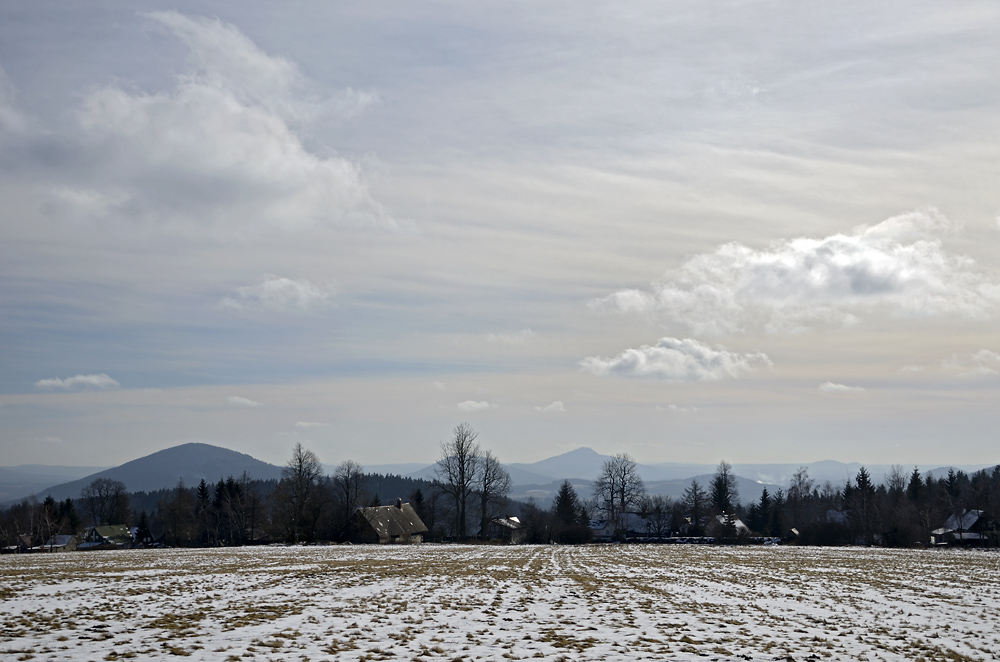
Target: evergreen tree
[(567, 505), (725, 494), (695, 507), (915, 488), (776, 518)]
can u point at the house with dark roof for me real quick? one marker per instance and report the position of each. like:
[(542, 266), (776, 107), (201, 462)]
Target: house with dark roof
[(509, 529), (398, 524), (114, 536), (971, 528), (60, 543)]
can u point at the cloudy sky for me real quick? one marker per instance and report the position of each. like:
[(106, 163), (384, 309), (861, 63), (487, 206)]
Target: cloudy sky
[(753, 231)]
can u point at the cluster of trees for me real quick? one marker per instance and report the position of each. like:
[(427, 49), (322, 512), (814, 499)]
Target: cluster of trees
[(901, 511), (472, 481), (305, 505)]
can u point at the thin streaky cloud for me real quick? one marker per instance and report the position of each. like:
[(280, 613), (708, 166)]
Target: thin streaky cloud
[(100, 381), (311, 424), (243, 403), (832, 387)]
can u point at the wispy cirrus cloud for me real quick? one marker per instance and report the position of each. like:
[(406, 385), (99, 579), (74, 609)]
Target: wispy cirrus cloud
[(279, 293), (99, 381), (900, 264), (676, 360)]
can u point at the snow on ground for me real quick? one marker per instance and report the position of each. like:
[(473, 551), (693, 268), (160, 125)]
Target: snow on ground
[(454, 602)]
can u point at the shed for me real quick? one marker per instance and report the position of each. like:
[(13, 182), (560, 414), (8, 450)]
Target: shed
[(398, 524)]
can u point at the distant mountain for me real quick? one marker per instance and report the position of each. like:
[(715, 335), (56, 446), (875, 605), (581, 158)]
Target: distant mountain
[(537, 480), (24, 480), (583, 463), (187, 462)]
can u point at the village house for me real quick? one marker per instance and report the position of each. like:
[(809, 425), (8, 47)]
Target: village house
[(969, 528), (509, 529), (114, 536), (60, 543), (398, 524)]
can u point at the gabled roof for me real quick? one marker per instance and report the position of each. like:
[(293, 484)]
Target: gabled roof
[(961, 521), (509, 522), (393, 521), (59, 540), (737, 523), (117, 533)]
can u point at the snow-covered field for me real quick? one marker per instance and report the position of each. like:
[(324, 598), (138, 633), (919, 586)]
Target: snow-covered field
[(456, 602)]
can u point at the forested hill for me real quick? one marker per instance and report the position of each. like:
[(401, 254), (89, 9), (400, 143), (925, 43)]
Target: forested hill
[(163, 469)]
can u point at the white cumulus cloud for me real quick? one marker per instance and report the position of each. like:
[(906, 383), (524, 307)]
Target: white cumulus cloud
[(245, 403), (472, 405), (675, 360), (831, 387), (101, 381), (279, 293), (554, 406), (900, 264)]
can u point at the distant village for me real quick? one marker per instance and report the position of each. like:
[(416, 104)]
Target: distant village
[(468, 501)]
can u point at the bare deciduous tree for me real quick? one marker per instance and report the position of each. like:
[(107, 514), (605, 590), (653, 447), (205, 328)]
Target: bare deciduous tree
[(619, 490), (348, 485), (659, 512), (456, 472), (492, 486), (301, 493), (799, 491), (107, 501)]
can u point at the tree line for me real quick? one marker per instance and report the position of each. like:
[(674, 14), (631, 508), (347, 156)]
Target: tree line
[(901, 511), (470, 489)]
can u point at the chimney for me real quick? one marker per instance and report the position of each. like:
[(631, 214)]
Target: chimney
[(399, 503)]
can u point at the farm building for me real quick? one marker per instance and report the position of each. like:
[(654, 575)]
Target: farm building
[(398, 524)]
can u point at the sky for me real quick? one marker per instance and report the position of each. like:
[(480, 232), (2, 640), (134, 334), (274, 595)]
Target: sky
[(687, 231)]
